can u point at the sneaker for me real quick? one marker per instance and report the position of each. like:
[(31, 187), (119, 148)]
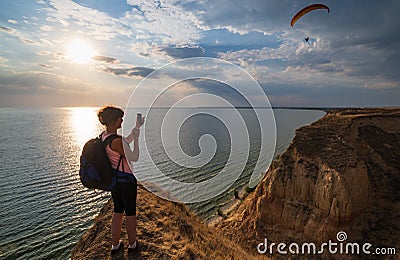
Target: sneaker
[(120, 248), (132, 250)]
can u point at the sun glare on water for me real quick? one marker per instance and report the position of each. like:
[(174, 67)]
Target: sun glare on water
[(79, 51), (84, 124)]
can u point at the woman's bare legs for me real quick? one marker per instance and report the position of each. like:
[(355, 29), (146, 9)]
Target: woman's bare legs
[(116, 225), (131, 223)]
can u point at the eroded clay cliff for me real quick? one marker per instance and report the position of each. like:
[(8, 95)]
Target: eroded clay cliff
[(342, 173)]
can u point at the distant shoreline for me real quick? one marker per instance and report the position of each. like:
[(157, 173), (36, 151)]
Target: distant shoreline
[(326, 109)]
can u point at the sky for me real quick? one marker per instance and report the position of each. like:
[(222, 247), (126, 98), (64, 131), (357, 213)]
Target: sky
[(96, 52)]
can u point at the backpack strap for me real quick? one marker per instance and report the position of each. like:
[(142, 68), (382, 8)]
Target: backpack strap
[(109, 138), (119, 162), (108, 141)]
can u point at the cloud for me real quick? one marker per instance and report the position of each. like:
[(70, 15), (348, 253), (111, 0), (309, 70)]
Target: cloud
[(145, 25), (6, 29), (136, 72), (19, 35), (146, 22), (74, 16), (344, 51), (304, 94), (27, 41), (105, 59), (293, 61), (43, 53), (60, 56), (166, 23), (362, 47), (32, 82), (46, 28), (35, 88), (185, 52), (45, 66), (242, 17), (140, 72), (12, 21), (115, 8)]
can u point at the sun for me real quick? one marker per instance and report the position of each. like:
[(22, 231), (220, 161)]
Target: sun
[(79, 51)]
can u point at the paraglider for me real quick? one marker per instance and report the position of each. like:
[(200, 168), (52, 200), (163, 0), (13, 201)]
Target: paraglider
[(306, 10)]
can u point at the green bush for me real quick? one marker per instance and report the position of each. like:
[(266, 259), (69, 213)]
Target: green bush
[(236, 193), (250, 190)]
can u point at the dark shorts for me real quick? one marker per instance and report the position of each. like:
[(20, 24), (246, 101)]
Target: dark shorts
[(124, 197)]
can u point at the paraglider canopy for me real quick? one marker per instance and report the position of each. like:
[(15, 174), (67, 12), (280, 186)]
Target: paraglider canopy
[(306, 10)]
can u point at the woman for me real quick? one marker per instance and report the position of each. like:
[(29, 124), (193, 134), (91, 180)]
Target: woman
[(125, 191)]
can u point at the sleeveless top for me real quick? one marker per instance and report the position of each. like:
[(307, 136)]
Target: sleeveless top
[(114, 156)]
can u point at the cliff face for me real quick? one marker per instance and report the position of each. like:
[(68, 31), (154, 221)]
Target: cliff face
[(342, 173)]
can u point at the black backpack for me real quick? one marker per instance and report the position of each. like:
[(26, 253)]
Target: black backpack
[(95, 167)]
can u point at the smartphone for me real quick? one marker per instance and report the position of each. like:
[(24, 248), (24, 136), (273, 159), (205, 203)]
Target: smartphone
[(139, 118)]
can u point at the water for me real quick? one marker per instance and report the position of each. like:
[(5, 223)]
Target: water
[(45, 209)]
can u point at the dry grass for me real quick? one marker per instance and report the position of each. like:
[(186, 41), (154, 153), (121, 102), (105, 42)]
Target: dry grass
[(166, 230)]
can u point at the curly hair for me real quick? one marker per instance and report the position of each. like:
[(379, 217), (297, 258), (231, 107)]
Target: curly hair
[(109, 114)]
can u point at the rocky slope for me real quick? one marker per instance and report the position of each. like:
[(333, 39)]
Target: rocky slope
[(166, 230), (342, 173)]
